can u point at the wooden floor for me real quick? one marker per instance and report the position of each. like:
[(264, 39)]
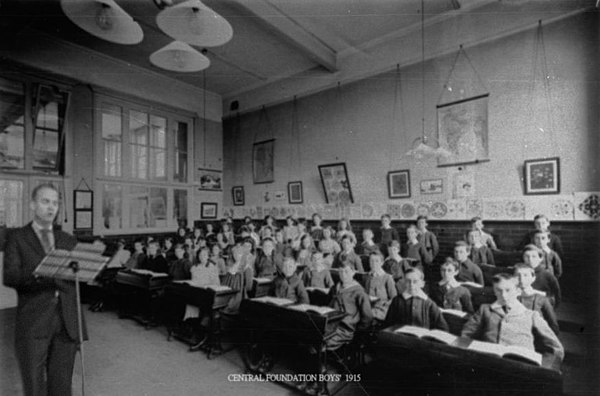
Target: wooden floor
[(122, 358)]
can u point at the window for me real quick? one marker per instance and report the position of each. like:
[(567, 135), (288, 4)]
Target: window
[(180, 207), (181, 148), (12, 117), (112, 137), (11, 203), (138, 138), (48, 138), (112, 199)]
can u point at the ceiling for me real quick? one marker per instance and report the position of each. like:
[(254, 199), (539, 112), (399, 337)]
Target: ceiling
[(285, 47)]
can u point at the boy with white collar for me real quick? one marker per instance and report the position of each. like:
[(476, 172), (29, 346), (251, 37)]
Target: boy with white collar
[(508, 322), (413, 307), (532, 299), (448, 293), (544, 280)]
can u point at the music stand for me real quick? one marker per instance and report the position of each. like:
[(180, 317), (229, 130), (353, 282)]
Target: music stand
[(83, 263)]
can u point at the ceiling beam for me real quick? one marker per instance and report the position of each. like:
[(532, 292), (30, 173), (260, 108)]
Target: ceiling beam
[(291, 31)]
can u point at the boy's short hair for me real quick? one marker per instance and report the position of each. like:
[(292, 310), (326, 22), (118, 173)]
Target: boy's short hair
[(267, 240), (532, 248), (394, 242), (316, 215), (347, 237), (315, 252), (421, 217), (376, 254), (415, 270), (179, 246), (476, 219), (524, 266), (385, 215), (154, 242), (537, 232), (450, 261), (411, 227), (140, 240), (40, 187), (541, 216), (367, 230), (462, 243), (502, 276)]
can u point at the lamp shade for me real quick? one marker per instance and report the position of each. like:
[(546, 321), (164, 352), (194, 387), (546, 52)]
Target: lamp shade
[(103, 19), (179, 57), (194, 23)]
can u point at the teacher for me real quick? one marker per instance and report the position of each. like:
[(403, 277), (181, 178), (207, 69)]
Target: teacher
[(46, 324)]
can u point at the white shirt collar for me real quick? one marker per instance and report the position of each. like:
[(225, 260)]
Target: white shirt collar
[(38, 228), (516, 308), (421, 295)]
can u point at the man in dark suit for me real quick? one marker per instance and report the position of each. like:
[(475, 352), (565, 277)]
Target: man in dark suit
[(46, 325)]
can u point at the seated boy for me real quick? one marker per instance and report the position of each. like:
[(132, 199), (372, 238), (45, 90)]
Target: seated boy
[(348, 296), (289, 285), (317, 274), (486, 239), (542, 223), (395, 264), (155, 262), (136, 260), (508, 322), (179, 268), (467, 271), (448, 293), (413, 249), (550, 259), (381, 285), (426, 237), (544, 280), (480, 253), (413, 307), (388, 233), (348, 257), (368, 246), (532, 299)]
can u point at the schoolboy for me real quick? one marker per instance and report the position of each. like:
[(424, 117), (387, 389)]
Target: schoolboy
[(542, 223), (486, 238), (413, 249), (448, 293), (155, 262), (396, 265), (317, 274), (480, 253), (348, 257), (551, 260), (467, 271), (381, 285), (368, 246), (388, 233), (316, 231), (179, 268), (534, 299), (413, 307), (288, 284), (138, 257), (427, 238), (544, 280), (508, 322), (268, 260)]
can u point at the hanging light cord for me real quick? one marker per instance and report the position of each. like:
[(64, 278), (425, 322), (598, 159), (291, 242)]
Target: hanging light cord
[(204, 118), (423, 70)]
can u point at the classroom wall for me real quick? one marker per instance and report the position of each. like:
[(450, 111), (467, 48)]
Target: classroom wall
[(370, 124)]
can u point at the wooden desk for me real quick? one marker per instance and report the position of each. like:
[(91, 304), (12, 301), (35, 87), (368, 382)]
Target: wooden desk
[(464, 371), (281, 326), (208, 301), (139, 292), (260, 289)]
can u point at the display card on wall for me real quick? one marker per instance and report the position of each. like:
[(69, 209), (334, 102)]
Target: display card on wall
[(587, 205), (438, 210)]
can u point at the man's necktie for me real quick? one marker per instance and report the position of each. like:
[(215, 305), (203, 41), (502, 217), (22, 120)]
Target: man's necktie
[(505, 308), (45, 233)]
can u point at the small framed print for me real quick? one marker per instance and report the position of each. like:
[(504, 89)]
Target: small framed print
[(399, 184), (209, 179), (83, 205), (336, 184), (238, 195), (542, 176), (83, 220), (295, 192), (208, 210), (83, 199), (432, 186)]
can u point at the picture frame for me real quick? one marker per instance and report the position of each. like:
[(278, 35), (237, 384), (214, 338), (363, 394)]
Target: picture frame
[(209, 179), (398, 184), (237, 193), (336, 184), (463, 131), (208, 210), (295, 193), (432, 186), (542, 176), (263, 170), (83, 209)]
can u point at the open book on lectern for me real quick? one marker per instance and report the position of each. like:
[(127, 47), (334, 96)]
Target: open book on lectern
[(89, 258)]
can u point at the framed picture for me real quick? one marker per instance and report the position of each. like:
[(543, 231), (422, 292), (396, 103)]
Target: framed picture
[(83, 205), (262, 161), (238, 195), (463, 131), (209, 179), (399, 184), (295, 192), (542, 176), (208, 210), (336, 184), (432, 186)]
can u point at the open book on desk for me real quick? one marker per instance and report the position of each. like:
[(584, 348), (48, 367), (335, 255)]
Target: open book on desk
[(280, 302), (263, 280), (427, 334), (507, 351), (311, 308), (216, 288), (323, 290), (454, 312), (150, 273)]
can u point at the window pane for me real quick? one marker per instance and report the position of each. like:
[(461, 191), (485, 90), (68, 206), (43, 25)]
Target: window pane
[(139, 161), (182, 132), (158, 137), (12, 114), (11, 203), (112, 158), (180, 207), (50, 104), (158, 207), (111, 207), (111, 122), (158, 163), (181, 152), (138, 127), (138, 207)]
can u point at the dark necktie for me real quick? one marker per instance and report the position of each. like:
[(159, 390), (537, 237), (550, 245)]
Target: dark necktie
[(506, 309), (45, 233)]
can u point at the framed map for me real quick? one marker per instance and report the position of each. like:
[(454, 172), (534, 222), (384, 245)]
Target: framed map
[(262, 161), (463, 131)]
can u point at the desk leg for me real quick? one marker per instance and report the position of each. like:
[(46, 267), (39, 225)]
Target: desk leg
[(214, 342), (322, 369)]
